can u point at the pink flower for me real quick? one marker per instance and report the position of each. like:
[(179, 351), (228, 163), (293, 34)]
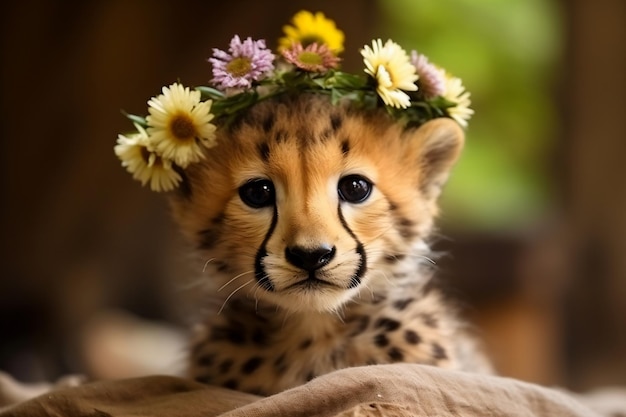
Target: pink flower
[(244, 63), (314, 58), (431, 82)]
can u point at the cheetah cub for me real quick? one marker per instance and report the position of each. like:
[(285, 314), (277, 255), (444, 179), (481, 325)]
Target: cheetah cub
[(312, 220)]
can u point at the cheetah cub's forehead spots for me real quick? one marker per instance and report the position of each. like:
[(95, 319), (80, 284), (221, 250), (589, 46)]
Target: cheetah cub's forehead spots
[(303, 202)]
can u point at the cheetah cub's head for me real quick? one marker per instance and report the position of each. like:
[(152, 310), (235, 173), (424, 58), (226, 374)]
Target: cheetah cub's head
[(304, 203)]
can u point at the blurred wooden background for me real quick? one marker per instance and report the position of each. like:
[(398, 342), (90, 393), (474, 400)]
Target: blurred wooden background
[(79, 235)]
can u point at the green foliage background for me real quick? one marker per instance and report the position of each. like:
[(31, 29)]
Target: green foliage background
[(507, 53)]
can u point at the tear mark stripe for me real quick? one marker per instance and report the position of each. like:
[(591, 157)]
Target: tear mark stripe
[(259, 271), (355, 280)]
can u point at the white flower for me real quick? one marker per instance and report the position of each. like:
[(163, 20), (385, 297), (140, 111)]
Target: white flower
[(456, 93), (390, 66), (180, 125), (145, 165)]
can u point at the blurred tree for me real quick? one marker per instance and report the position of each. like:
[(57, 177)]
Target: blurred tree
[(507, 53)]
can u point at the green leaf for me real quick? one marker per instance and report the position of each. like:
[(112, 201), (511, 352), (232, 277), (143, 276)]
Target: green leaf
[(210, 92), (349, 81), (441, 102), (234, 103), (335, 96), (294, 78), (141, 121)]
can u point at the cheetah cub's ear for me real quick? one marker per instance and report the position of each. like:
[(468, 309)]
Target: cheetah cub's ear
[(437, 144)]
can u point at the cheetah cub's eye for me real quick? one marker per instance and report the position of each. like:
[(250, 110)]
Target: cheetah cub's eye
[(354, 188), (257, 193)]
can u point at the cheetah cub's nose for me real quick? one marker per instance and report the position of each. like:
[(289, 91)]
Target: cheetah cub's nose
[(309, 259)]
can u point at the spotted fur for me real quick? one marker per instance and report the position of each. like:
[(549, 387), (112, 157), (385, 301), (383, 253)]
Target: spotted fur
[(314, 282)]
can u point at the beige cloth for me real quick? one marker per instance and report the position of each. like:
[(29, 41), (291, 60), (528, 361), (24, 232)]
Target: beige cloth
[(400, 390)]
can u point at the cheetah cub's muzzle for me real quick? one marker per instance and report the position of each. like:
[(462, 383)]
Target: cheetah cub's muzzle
[(313, 264)]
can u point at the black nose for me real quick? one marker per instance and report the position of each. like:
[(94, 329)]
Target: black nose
[(309, 259)]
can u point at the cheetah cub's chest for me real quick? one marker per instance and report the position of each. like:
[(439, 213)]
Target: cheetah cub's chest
[(312, 221)]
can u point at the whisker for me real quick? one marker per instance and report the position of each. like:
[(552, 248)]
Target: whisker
[(426, 258), (231, 294), (390, 281), (364, 286), (232, 279), (206, 264), (407, 254), (340, 312), (257, 287)]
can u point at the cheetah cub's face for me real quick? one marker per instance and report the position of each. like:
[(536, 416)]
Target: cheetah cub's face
[(305, 204)]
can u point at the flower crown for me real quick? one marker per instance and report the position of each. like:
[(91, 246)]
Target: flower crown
[(183, 121)]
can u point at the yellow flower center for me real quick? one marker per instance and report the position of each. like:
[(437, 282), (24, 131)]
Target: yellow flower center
[(310, 58), (182, 127), (239, 67)]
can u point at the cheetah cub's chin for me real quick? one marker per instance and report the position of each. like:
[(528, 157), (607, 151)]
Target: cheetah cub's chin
[(312, 220)]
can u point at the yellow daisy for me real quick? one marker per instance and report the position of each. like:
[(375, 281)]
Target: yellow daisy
[(145, 165), (456, 93), (180, 124), (391, 67), (311, 28)]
